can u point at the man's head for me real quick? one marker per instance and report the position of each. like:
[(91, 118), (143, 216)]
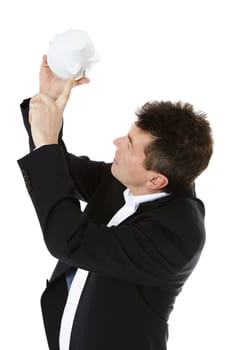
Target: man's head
[(167, 147)]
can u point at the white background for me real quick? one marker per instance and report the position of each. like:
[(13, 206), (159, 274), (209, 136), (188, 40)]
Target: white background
[(178, 50)]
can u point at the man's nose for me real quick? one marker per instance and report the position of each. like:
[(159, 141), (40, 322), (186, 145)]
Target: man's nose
[(117, 141)]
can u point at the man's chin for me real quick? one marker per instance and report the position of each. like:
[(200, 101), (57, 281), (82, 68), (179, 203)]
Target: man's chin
[(114, 172), (116, 175), (113, 169)]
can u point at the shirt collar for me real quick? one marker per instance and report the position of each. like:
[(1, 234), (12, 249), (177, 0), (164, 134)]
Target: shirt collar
[(134, 201)]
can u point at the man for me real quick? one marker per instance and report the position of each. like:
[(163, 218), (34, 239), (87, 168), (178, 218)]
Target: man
[(141, 233)]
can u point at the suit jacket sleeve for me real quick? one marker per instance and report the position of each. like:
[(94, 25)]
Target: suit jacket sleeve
[(86, 174), (138, 252)]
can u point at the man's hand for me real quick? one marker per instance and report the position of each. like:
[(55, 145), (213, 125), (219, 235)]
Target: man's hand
[(52, 85), (45, 115)]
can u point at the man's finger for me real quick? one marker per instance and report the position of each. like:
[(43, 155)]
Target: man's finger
[(81, 81), (65, 95), (44, 60)]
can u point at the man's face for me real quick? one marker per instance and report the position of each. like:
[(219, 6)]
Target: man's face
[(128, 162)]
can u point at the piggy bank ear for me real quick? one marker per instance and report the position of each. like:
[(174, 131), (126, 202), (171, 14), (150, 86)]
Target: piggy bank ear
[(94, 59)]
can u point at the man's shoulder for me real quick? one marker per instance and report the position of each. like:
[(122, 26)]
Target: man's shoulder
[(181, 215)]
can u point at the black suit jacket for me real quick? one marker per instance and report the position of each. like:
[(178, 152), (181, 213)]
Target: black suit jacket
[(136, 269)]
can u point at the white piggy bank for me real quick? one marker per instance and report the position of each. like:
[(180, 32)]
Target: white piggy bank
[(71, 53)]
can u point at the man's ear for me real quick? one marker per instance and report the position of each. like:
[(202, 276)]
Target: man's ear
[(156, 181)]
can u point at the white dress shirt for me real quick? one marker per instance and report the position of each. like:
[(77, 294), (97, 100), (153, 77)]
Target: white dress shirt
[(131, 204)]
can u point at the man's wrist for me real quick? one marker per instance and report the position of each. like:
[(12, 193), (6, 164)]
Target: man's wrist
[(45, 141), (51, 142)]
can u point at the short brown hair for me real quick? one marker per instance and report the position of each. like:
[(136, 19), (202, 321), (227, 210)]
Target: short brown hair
[(183, 142)]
